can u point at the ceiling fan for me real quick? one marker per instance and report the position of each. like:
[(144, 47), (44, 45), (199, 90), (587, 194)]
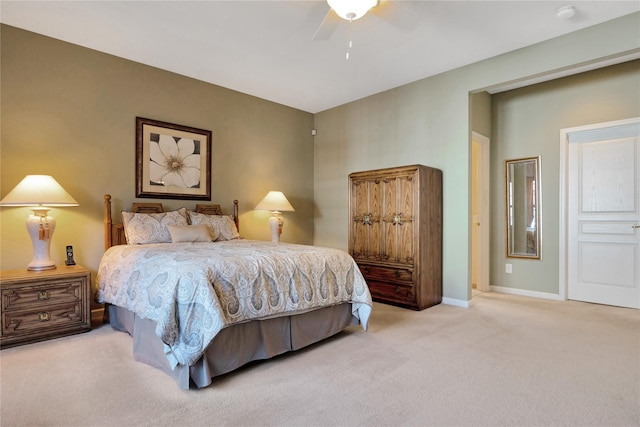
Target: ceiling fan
[(351, 10)]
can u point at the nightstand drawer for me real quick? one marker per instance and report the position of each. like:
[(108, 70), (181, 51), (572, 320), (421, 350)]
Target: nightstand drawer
[(63, 291), (35, 321)]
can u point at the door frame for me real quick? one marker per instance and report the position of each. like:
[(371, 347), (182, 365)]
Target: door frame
[(483, 205), (563, 280)]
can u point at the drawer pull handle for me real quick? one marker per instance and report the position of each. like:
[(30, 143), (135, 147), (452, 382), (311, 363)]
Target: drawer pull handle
[(43, 295), (44, 316), (366, 270), (397, 289)]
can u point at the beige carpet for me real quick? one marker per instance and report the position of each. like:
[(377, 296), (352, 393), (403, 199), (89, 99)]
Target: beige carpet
[(506, 361)]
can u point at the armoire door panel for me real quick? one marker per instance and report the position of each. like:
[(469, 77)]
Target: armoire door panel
[(405, 245), (407, 196), (390, 201), (390, 193), (404, 221), (359, 239), (390, 242), (359, 228), (375, 227), (360, 194)]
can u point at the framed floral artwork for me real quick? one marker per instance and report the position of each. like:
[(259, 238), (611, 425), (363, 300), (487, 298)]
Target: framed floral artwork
[(172, 161)]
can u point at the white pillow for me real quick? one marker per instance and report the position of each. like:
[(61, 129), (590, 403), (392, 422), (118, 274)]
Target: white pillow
[(221, 227), (189, 233), (142, 228)]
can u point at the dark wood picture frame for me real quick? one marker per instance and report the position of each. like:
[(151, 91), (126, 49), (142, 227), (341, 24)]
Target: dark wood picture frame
[(167, 172)]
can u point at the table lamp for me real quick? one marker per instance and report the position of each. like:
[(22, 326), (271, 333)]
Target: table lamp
[(275, 202), (41, 192)]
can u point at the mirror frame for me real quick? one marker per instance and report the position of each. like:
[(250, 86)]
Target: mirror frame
[(533, 208)]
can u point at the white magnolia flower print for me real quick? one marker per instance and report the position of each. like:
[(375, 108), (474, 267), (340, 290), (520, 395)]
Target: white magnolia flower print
[(174, 163)]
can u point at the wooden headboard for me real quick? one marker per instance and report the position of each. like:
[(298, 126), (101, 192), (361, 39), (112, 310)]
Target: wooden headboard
[(114, 233)]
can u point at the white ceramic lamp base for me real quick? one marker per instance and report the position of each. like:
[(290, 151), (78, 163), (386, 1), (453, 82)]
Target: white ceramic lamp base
[(275, 202), (41, 259), (273, 225)]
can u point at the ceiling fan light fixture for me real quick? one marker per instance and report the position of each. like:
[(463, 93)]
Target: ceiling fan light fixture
[(352, 9)]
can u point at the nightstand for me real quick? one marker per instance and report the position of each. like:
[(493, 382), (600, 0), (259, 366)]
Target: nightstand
[(40, 305)]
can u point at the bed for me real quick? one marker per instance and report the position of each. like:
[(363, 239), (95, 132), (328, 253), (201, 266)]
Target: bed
[(199, 301)]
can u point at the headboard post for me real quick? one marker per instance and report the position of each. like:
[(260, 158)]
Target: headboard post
[(236, 217), (108, 222)]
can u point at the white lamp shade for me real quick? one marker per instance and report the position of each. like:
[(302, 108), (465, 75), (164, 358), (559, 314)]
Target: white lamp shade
[(38, 190), (274, 201), (351, 9)]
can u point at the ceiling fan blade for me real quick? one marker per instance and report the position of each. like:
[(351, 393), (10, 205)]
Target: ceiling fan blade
[(327, 27), (396, 13)]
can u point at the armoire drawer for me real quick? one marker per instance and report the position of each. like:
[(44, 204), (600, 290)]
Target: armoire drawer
[(392, 292), (386, 274)]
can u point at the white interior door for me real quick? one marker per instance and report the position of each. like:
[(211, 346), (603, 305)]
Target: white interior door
[(603, 213)]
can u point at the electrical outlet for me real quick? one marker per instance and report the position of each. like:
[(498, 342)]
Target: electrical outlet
[(508, 268)]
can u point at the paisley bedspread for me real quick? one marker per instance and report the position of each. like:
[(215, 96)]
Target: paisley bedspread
[(193, 290)]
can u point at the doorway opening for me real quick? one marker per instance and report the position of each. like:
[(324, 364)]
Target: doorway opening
[(480, 230)]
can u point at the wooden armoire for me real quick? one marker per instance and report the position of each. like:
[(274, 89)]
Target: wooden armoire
[(395, 234)]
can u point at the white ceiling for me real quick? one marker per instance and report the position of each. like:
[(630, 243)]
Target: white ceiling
[(265, 48)]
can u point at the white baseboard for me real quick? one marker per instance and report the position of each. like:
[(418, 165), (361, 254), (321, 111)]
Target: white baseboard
[(456, 302), (526, 293)]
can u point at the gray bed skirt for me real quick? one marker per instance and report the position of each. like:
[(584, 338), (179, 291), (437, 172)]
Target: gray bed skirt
[(236, 345)]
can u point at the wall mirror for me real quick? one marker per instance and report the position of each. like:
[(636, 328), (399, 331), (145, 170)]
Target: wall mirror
[(523, 207)]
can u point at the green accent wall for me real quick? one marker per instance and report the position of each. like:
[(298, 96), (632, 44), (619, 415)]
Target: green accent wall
[(527, 123), (428, 122)]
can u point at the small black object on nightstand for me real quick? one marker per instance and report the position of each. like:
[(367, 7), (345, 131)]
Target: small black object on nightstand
[(70, 260)]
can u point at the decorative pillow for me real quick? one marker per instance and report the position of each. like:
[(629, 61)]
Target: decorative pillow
[(189, 233), (141, 228), (221, 227)]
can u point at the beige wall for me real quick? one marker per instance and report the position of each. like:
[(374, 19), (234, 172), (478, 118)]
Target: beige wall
[(428, 122), (70, 112), (527, 123)]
